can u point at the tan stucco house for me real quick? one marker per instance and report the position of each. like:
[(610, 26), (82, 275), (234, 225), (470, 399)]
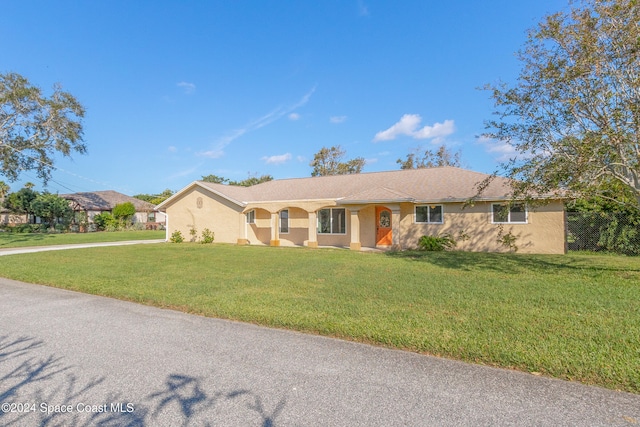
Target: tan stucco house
[(368, 210)]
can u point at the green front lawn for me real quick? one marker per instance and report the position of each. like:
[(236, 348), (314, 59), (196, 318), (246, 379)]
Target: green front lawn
[(575, 317), (16, 240)]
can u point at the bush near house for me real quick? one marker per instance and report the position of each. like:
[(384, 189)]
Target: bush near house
[(436, 243)]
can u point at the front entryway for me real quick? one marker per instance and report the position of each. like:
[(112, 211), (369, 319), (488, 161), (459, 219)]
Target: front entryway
[(384, 236)]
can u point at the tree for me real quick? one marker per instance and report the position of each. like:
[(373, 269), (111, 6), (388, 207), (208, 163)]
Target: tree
[(51, 207), (327, 161), (573, 117), (253, 179), (33, 128), (430, 159), (20, 202), (215, 179), (4, 189), (155, 199), (124, 212)]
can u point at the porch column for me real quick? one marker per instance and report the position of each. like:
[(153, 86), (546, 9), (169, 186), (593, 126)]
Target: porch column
[(275, 229), (355, 244), (395, 227), (313, 230), (242, 228)]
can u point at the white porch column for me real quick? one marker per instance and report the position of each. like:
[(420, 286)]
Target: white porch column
[(242, 228), (355, 244), (313, 230), (275, 229), (395, 227)]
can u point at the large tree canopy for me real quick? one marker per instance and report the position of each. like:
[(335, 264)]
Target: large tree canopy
[(33, 128), (328, 161), (573, 117)]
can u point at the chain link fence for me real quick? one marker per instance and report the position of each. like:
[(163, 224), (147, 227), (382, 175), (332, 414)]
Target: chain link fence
[(603, 231)]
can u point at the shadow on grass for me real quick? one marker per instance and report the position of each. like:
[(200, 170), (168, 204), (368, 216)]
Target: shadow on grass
[(14, 239), (515, 263), (37, 389)]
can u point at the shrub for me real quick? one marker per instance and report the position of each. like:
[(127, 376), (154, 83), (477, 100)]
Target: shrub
[(176, 237), (124, 211), (207, 236), (105, 221), (436, 243)]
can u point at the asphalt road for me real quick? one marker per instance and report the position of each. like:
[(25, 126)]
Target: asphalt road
[(72, 359)]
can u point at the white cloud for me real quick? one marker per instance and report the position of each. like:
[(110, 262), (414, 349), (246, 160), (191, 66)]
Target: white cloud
[(438, 130), (212, 154), (187, 87), (267, 119), (408, 126), (277, 159), (501, 149), (301, 159), (172, 149), (294, 116), (338, 119)]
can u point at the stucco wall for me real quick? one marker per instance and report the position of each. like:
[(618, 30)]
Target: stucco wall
[(472, 228), (200, 209)]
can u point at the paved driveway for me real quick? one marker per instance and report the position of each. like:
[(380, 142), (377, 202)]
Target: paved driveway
[(28, 249), (73, 359)]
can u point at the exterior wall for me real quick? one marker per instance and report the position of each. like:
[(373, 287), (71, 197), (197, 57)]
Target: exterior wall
[(368, 226), (12, 219), (200, 209), (298, 228), (544, 231), (470, 226), (260, 232)]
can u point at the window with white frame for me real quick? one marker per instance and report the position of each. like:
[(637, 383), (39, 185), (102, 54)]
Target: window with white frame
[(251, 217), (332, 221), (512, 214), (429, 214), (284, 221)]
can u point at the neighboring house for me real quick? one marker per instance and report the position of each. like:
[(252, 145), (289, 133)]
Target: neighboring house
[(368, 210), (9, 218), (97, 202)]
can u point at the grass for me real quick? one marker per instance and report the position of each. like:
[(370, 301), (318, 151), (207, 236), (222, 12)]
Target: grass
[(14, 240), (575, 317)]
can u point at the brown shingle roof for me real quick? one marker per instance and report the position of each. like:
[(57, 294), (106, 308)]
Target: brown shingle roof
[(106, 201), (439, 184)]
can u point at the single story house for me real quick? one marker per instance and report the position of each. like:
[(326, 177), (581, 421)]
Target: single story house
[(96, 202), (369, 210)]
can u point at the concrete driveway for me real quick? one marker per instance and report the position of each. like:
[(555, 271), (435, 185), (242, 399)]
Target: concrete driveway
[(72, 359), (28, 249)]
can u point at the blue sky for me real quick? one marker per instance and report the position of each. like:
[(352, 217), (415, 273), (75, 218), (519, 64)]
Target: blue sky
[(177, 90)]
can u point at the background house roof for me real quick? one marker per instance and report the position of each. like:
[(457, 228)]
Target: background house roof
[(439, 184), (105, 201)]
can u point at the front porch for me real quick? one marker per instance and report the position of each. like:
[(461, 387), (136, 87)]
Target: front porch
[(357, 227)]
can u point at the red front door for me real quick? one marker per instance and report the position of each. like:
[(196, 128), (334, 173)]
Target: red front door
[(384, 236)]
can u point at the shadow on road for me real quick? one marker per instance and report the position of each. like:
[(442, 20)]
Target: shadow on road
[(44, 391)]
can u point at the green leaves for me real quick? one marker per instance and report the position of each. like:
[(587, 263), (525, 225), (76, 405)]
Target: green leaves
[(33, 127), (327, 161), (573, 117)]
